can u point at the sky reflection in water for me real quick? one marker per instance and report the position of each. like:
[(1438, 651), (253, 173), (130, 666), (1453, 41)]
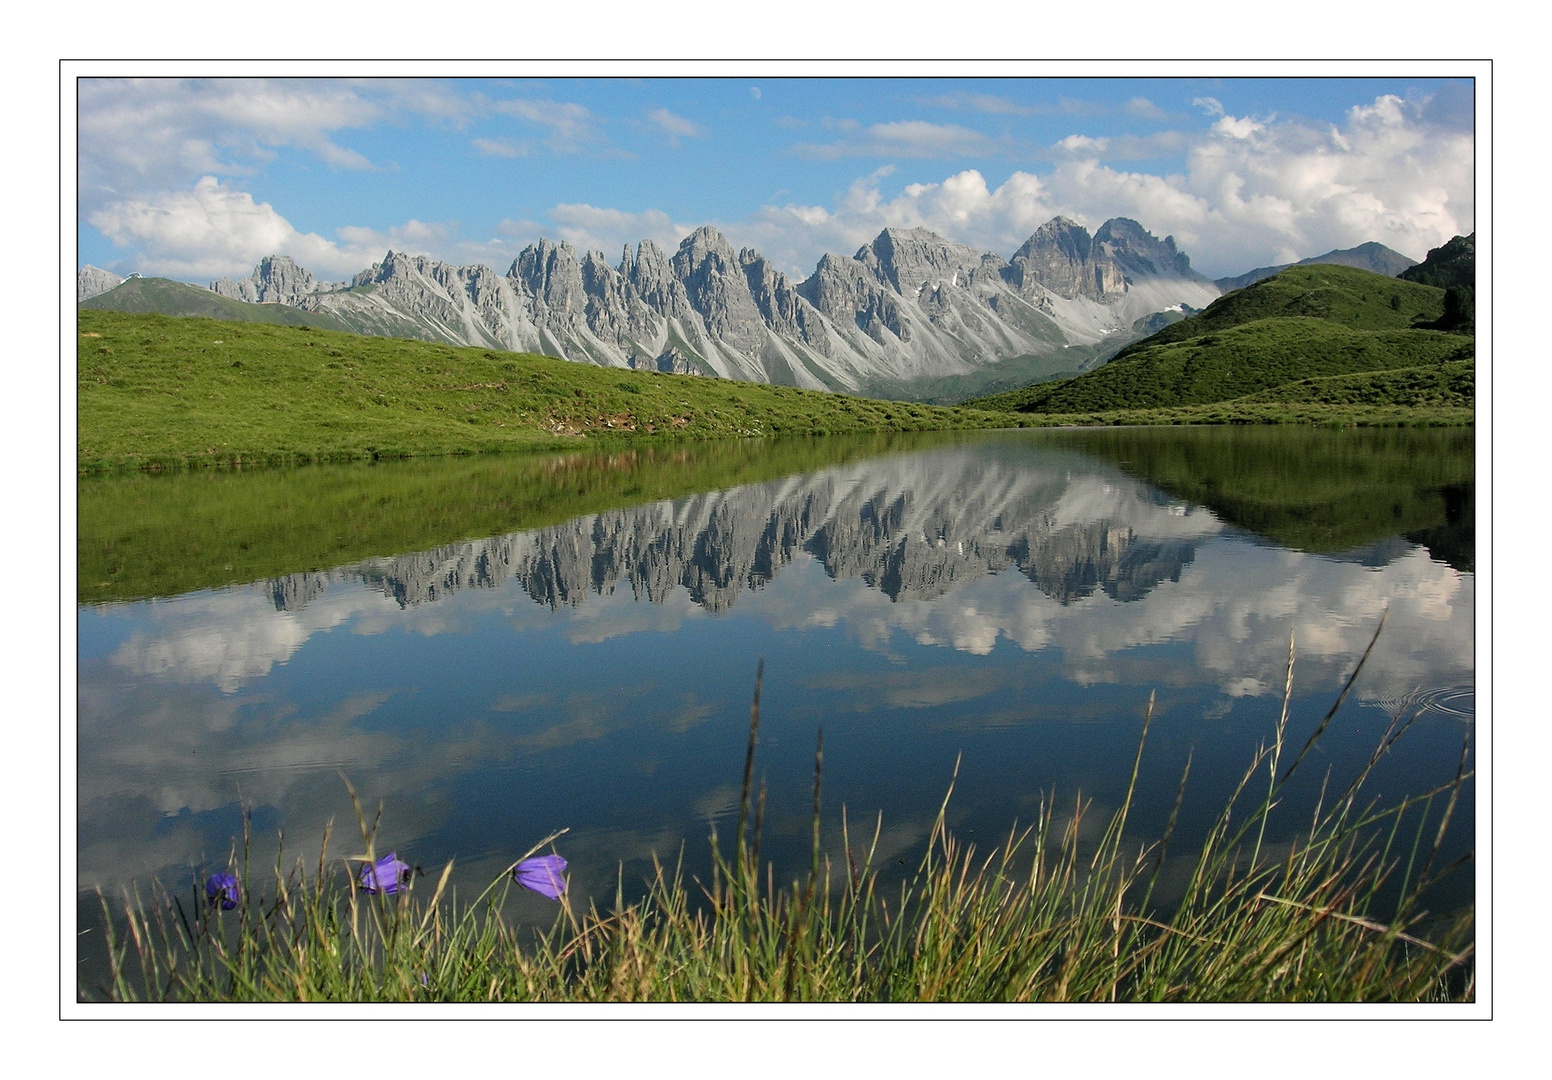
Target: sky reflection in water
[(997, 598)]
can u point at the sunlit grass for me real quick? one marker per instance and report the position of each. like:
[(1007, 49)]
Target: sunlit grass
[(156, 391)]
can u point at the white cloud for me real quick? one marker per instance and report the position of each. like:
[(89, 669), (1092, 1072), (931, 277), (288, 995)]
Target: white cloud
[(501, 148), (593, 228), (1142, 107), (1082, 144), (1237, 127), (902, 138), (571, 126), (1254, 192), (165, 132), (215, 230), (674, 126)]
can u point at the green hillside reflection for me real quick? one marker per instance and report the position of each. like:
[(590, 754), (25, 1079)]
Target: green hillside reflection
[(1316, 490)]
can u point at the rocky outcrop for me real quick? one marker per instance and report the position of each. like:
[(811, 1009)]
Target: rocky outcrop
[(92, 281)]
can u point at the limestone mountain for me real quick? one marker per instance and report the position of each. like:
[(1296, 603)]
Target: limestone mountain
[(92, 281), (908, 310)]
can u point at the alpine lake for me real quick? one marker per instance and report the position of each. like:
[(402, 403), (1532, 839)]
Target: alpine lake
[(495, 648)]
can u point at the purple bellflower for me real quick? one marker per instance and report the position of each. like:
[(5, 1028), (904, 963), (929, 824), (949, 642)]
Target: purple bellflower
[(387, 875), (222, 887), (542, 875)]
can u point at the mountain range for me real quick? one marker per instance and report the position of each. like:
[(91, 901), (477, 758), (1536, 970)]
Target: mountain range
[(909, 315)]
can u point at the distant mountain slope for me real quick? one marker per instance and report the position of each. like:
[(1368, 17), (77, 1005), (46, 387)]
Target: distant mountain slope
[(151, 296), (1370, 256), (908, 310), (1307, 323)]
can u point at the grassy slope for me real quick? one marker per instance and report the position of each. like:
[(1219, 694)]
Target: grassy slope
[(1272, 342), (141, 535), (159, 391)]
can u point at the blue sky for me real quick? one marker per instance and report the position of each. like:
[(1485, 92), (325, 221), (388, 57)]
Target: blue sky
[(198, 179)]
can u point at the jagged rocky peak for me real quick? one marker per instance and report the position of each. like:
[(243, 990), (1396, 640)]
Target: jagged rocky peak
[(276, 280), (1063, 258), (715, 283), (1060, 235), (93, 281), (652, 280), (907, 259), (1138, 251), (704, 245), (395, 264), (781, 306), (550, 273)]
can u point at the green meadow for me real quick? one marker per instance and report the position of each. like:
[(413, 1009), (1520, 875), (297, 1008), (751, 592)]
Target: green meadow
[(158, 391)]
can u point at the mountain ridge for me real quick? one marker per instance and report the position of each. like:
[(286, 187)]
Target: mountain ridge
[(910, 308)]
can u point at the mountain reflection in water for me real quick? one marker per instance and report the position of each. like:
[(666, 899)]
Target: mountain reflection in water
[(1015, 599), (913, 528)]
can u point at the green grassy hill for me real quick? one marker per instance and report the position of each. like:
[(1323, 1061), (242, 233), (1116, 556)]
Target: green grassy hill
[(1281, 340), (1354, 298), (160, 391)]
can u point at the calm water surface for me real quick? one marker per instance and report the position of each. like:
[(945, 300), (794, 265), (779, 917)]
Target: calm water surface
[(1008, 600)]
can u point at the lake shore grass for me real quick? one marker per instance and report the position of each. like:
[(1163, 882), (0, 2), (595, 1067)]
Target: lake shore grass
[(1044, 917)]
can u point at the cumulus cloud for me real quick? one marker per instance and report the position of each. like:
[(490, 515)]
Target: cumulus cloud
[(216, 230), (1255, 191)]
